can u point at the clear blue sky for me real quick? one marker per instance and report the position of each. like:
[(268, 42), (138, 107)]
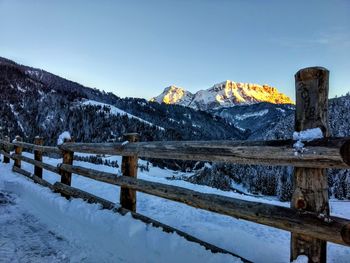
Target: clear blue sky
[(137, 48)]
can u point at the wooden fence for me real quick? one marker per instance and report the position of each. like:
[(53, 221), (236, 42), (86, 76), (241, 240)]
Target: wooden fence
[(308, 218)]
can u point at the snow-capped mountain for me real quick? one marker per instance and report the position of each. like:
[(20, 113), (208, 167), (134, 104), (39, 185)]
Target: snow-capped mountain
[(36, 102), (225, 94), (174, 95)]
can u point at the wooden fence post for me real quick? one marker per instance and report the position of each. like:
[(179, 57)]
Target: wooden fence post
[(310, 190), (129, 168), (6, 159), (66, 177), (38, 156), (18, 150)]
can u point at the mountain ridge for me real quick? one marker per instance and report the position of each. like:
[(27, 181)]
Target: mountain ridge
[(36, 102), (223, 94)]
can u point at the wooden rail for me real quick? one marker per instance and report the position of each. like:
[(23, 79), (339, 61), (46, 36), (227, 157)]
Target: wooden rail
[(325, 153), (37, 164), (68, 191), (328, 228), (308, 219), (34, 147), (266, 214)]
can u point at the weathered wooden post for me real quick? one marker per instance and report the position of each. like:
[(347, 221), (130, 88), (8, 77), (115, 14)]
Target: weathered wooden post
[(38, 156), (66, 177), (18, 151), (310, 191), (129, 168), (6, 149)]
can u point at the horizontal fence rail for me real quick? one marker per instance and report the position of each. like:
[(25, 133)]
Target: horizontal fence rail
[(29, 146), (39, 164), (328, 228), (69, 191), (323, 153), (34, 147), (5, 154)]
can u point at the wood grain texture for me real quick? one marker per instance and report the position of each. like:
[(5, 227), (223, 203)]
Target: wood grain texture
[(66, 177), (43, 165), (6, 149), (18, 151), (33, 147), (6, 155), (21, 171), (345, 152), (38, 156), (129, 169), (312, 85), (310, 191), (324, 153)]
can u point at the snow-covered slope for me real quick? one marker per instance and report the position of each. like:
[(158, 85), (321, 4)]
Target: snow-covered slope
[(225, 94), (85, 225), (258, 118), (41, 226), (116, 111)]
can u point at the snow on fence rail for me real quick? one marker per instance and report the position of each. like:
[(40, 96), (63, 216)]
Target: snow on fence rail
[(308, 219)]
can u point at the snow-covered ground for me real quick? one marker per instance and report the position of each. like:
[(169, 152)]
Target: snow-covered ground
[(116, 111), (249, 115), (24, 238), (40, 226), (103, 236)]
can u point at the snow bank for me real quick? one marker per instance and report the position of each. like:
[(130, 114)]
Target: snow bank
[(125, 143), (301, 259), (65, 136), (102, 235), (308, 135)]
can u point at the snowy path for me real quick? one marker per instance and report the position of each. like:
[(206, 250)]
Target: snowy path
[(24, 239)]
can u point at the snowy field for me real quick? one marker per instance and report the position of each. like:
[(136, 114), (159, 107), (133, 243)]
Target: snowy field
[(81, 232)]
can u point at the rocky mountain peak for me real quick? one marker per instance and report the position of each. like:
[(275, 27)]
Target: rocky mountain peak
[(224, 94), (174, 95)]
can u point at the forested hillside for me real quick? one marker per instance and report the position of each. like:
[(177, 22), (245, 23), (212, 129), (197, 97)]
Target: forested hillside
[(273, 180), (35, 102)]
